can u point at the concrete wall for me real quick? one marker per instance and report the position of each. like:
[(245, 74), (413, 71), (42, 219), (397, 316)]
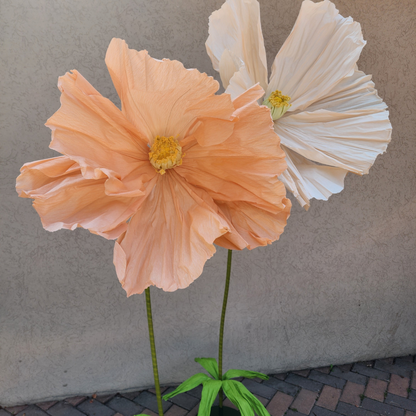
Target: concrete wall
[(339, 286)]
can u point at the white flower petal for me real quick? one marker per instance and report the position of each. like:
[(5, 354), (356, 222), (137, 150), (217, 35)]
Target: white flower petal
[(350, 140), (322, 49), (356, 92), (239, 83), (228, 65), (236, 27), (307, 180)]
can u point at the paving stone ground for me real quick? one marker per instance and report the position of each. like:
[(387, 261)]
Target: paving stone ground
[(381, 387)]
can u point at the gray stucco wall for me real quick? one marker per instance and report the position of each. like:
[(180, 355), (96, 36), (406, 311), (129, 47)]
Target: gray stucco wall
[(339, 286)]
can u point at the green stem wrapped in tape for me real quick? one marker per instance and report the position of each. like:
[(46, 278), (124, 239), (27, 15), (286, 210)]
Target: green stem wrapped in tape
[(153, 350)]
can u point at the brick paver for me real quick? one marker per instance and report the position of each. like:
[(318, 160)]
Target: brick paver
[(401, 402), (304, 401), (373, 388), (391, 368), (376, 389), (320, 411), (104, 398), (351, 393), (370, 372), (149, 401), (350, 410), (149, 412), (381, 408), (329, 398), (327, 379), (398, 385), (183, 400), (32, 411), (176, 411), (349, 375), (46, 405), (75, 401), (303, 382), (64, 409), (280, 376), (14, 410), (279, 404), (124, 406), (282, 386), (260, 389), (303, 373), (325, 370), (95, 408)]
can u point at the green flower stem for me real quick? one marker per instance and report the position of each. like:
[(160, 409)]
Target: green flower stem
[(224, 308), (153, 349)]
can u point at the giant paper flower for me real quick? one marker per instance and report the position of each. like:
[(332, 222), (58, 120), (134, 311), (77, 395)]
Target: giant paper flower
[(177, 169), (327, 113)]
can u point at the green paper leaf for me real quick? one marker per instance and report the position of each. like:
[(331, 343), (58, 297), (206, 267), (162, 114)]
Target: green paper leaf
[(243, 373), (210, 390), (232, 391), (210, 364), (243, 398), (187, 385)]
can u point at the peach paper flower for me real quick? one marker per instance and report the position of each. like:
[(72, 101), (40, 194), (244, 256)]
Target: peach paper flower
[(177, 169), (327, 113)]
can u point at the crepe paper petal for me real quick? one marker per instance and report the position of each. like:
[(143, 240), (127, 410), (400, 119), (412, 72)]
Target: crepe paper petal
[(157, 96), (352, 93), (35, 175), (187, 385), (210, 391), (243, 373), (121, 175), (235, 39), (247, 97), (349, 140), (91, 130), (174, 215), (257, 226), (243, 167), (210, 364), (63, 198), (307, 180), (308, 73), (239, 83), (238, 396)]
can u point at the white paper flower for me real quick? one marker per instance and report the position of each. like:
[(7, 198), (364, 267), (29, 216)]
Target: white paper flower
[(327, 112)]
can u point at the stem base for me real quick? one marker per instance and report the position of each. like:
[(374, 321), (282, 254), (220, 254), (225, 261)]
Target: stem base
[(224, 411)]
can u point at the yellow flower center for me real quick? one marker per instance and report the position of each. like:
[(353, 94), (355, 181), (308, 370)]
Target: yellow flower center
[(278, 104), (165, 153)]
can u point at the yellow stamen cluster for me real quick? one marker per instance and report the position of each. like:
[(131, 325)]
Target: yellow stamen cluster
[(278, 104), (165, 153)]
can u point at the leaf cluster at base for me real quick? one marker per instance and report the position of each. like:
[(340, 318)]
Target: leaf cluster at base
[(238, 394)]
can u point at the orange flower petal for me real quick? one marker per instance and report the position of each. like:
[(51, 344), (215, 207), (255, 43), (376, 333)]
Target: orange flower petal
[(36, 175), (256, 226), (92, 131), (162, 98), (169, 239), (245, 166), (63, 198), (243, 171)]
